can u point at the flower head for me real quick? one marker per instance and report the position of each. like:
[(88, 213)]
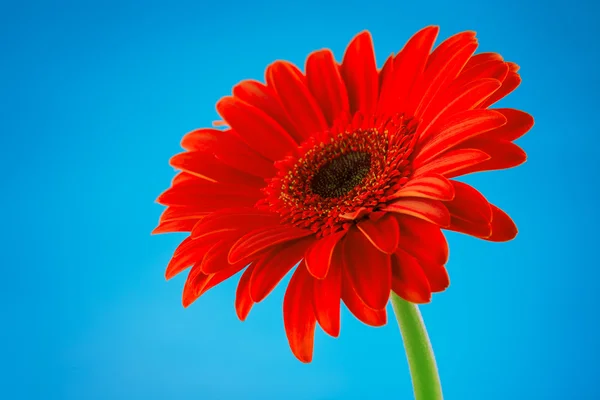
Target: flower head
[(344, 171)]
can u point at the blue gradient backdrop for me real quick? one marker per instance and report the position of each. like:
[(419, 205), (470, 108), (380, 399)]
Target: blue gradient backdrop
[(94, 99)]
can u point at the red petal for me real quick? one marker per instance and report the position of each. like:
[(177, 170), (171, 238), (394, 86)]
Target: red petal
[(195, 283), (215, 258), (290, 85), (423, 240), (408, 279), (273, 266), (409, 66), (452, 161), (327, 294), (368, 269), (222, 275), (444, 64), (359, 71), (326, 84), (175, 213), (482, 58), (207, 167), (262, 239), (206, 196), (199, 283), (387, 93), (503, 155), (495, 69), (230, 149), (299, 320), (512, 81), (432, 211), (436, 275), (318, 256), (503, 227), (243, 301), (184, 177), (518, 123), (188, 252), (234, 221), (432, 186), (383, 233), (460, 127), (358, 308), (265, 98), (185, 225), (471, 212), (461, 100), (259, 130)]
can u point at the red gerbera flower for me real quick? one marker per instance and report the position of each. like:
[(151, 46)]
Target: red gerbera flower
[(346, 170)]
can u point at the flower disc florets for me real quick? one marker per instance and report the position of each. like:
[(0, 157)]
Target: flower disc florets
[(343, 174)]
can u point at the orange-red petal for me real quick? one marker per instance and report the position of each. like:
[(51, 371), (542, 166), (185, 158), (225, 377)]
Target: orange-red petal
[(408, 278), (273, 266), (326, 84), (298, 317), (383, 233), (318, 257), (359, 71), (243, 300), (358, 308), (433, 211), (327, 294), (368, 269)]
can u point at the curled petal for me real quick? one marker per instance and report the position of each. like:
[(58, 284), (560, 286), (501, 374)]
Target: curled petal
[(471, 212), (455, 160), (368, 270), (430, 186), (382, 233), (502, 155), (358, 308), (408, 278), (503, 227), (429, 210), (436, 275), (423, 240), (518, 123), (318, 257)]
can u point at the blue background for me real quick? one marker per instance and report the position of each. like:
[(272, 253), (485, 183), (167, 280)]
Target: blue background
[(94, 98)]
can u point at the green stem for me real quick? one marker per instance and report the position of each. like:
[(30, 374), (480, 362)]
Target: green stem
[(421, 361)]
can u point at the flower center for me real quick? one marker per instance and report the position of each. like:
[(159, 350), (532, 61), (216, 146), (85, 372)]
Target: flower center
[(341, 175)]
